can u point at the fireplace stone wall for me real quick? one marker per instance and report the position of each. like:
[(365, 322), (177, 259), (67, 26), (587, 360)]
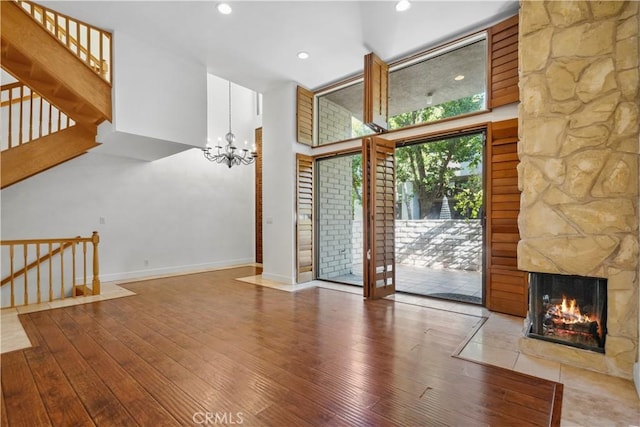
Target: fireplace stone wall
[(579, 151)]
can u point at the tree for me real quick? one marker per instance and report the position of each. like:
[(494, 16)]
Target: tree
[(431, 167)]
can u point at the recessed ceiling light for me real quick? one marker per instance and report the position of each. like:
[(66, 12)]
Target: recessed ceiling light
[(224, 8), (303, 55), (458, 77), (403, 5)]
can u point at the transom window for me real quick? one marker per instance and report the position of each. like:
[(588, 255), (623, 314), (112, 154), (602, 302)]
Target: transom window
[(446, 83), (339, 114)]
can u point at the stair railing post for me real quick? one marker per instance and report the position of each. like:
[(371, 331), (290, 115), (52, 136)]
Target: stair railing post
[(95, 239)]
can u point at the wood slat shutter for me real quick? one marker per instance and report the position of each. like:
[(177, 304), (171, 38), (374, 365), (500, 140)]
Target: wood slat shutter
[(376, 93), (258, 200), (503, 55), (304, 116), (379, 214), (507, 287), (304, 218)]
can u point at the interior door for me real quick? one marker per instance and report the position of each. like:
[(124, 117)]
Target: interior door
[(378, 164)]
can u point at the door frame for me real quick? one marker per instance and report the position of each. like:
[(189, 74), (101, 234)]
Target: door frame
[(483, 129)]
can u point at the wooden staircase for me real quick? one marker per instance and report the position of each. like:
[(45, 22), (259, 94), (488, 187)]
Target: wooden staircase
[(26, 160), (42, 57)]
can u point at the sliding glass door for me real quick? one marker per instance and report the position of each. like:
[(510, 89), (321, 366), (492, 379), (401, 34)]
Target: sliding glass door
[(439, 218), (339, 219)]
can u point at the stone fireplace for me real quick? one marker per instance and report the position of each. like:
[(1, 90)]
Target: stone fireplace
[(579, 152)]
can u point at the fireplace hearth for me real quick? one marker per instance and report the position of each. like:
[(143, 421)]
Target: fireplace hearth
[(569, 310)]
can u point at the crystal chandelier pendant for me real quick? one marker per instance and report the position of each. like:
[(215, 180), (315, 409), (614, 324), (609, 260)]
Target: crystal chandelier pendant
[(228, 154)]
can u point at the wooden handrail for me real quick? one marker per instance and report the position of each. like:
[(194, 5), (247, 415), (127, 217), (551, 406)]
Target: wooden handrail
[(9, 86), (17, 100), (96, 53), (45, 241), (29, 115), (65, 290)]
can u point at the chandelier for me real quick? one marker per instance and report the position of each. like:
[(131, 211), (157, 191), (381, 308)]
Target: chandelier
[(230, 154)]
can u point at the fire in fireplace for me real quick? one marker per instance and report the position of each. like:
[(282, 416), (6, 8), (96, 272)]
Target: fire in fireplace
[(570, 310)]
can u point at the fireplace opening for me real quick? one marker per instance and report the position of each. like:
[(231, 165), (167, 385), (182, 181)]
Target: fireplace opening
[(570, 310)]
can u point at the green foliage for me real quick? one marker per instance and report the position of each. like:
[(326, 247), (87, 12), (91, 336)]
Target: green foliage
[(469, 198), (431, 167), (438, 112), (356, 180)]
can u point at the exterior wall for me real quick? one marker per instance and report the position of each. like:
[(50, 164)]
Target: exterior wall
[(335, 217), (579, 154), (357, 242), (334, 121), (447, 244)]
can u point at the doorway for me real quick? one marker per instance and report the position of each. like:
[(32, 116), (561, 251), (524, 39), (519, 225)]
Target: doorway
[(440, 218), (339, 219)]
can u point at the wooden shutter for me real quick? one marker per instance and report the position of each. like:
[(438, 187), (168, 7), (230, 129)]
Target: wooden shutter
[(507, 287), (379, 214), (304, 116), (503, 55), (258, 200), (376, 93), (304, 218)]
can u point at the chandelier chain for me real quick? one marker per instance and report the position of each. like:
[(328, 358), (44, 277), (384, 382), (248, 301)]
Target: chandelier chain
[(229, 154)]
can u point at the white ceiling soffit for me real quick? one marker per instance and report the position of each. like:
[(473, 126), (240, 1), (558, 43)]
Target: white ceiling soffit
[(256, 45)]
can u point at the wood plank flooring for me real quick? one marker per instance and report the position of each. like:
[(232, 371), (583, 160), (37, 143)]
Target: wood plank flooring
[(205, 349)]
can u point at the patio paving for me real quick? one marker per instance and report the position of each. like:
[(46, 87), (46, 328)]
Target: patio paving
[(457, 285)]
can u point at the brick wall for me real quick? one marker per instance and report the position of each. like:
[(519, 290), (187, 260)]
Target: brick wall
[(334, 122), (335, 217), (451, 244)]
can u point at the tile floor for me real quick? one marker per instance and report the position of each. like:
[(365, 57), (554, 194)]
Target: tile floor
[(494, 343), (429, 281)]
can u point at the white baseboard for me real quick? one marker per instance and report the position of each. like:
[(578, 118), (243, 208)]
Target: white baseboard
[(279, 278), (175, 270), (636, 377)]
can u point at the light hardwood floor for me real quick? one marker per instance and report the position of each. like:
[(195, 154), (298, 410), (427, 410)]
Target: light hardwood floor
[(205, 345)]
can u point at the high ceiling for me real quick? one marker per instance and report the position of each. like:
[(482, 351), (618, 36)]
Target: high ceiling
[(256, 45)]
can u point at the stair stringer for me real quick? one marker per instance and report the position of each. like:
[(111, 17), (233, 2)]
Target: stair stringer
[(29, 159), (34, 56)]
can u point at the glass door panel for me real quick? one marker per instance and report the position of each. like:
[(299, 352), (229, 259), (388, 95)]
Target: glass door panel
[(439, 211), (339, 219)]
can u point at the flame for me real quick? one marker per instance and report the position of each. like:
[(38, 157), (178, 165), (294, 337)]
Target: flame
[(571, 313)]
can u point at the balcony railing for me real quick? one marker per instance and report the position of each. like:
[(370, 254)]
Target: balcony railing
[(90, 44), (26, 116)]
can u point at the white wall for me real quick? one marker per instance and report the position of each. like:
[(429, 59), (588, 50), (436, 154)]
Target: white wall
[(157, 93), (244, 120), (278, 177), (180, 213)]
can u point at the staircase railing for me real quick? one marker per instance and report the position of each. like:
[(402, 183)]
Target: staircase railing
[(38, 272), (26, 116), (91, 44)]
